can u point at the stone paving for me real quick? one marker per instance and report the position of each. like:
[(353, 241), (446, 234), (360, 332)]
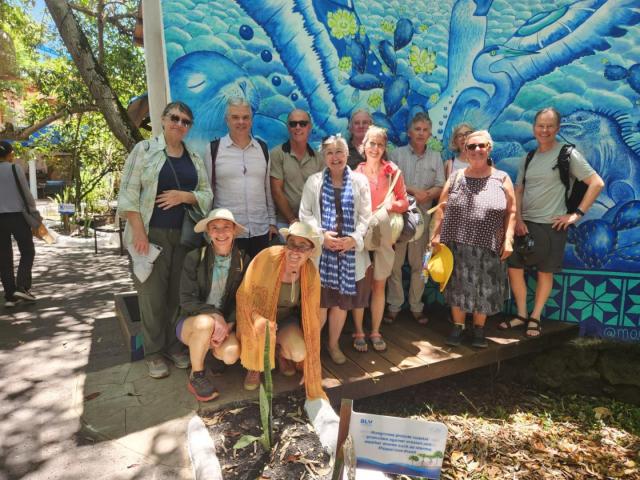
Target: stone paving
[(72, 406)]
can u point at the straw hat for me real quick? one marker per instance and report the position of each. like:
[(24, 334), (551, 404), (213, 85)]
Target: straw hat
[(218, 214), (440, 265), (304, 230)]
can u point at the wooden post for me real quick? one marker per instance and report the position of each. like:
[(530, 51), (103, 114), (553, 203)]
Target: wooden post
[(346, 407)]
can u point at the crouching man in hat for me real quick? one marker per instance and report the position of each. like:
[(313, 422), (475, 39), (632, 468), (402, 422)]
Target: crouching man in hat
[(210, 278)]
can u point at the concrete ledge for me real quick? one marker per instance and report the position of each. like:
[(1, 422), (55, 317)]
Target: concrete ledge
[(128, 315), (202, 451)]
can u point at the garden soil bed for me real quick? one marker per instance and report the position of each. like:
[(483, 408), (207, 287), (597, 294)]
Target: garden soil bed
[(500, 427), (296, 455)]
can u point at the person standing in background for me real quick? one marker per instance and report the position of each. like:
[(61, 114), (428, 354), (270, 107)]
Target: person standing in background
[(13, 223)]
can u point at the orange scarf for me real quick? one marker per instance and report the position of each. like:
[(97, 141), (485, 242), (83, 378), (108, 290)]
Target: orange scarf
[(259, 293)]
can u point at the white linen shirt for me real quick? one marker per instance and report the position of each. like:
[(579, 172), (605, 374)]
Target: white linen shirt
[(310, 213), (242, 185)]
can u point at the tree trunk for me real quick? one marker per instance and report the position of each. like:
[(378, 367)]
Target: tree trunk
[(92, 74)]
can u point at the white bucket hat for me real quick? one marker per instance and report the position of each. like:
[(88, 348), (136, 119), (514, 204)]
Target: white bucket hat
[(218, 214), (304, 230)]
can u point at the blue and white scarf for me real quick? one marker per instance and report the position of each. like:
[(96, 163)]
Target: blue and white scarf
[(338, 270)]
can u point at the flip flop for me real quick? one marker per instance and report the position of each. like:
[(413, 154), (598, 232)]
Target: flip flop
[(359, 343), (508, 325), (377, 342)]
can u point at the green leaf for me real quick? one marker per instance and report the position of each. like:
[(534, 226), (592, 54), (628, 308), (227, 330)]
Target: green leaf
[(245, 440)]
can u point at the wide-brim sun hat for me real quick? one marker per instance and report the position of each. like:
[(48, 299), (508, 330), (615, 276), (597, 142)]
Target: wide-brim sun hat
[(218, 214), (304, 230), (440, 265)]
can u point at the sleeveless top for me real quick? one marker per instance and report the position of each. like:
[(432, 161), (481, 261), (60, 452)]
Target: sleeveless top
[(475, 211)]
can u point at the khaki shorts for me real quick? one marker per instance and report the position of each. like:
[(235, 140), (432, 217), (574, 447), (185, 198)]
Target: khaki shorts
[(383, 258), (548, 250)]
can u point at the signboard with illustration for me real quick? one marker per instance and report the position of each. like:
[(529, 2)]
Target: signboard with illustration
[(398, 445), (491, 63)]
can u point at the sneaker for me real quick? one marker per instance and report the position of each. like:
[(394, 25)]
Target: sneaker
[(201, 387), (478, 340), (252, 380), (25, 294), (180, 358), (158, 368), (12, 303), (455, 337)]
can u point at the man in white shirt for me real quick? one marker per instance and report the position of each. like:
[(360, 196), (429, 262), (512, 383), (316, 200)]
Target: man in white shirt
[(239, 173), (424, 177)]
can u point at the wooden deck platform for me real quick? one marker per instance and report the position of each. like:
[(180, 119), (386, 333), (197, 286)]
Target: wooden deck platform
[(417, 353)]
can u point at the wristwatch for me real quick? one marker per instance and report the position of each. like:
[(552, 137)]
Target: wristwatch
[(579, 212)]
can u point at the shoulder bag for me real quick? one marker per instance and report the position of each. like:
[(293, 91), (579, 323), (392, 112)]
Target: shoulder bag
[(33, 218), (188, 236)]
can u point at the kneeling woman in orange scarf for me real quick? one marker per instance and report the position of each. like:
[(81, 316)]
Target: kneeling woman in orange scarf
[(282, 286)]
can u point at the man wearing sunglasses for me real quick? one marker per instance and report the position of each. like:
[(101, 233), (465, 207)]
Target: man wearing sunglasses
[(239, 175), (291, 164)]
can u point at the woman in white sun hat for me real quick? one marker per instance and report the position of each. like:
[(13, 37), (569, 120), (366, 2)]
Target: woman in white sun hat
[(282, 289), (210, 277)]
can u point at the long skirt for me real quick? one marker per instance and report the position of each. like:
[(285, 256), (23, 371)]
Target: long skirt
[(479, 280)]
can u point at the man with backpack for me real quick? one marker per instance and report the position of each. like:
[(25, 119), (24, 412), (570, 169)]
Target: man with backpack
[(238, 166), (549, 198)]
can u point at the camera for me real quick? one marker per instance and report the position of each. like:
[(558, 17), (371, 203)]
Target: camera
[(524, 245)]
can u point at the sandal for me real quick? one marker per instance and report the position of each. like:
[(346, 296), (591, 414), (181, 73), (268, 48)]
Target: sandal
[(377, 342), (420, 317), (359, 343), (536, 328), (336, 355), (389, 317), (508, 325)]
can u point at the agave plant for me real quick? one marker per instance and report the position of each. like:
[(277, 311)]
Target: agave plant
[(266, 401)]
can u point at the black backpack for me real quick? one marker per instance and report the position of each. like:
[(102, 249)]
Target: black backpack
[(571, 198)]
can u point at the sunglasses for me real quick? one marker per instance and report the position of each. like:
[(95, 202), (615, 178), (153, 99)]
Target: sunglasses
[(296, 123), (299, 247), (176, 119), (473, 146), (463, 134)]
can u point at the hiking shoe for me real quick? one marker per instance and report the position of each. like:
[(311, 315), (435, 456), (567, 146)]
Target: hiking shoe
[(158, 368), (180, 358), (25, 294), (252, 380), (478, 340), (201, 387), (455, 337)]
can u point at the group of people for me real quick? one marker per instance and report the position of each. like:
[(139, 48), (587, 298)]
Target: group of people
[(286, 232)]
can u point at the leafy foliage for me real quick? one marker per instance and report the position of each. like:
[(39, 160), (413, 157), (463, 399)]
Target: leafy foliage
[(53, 88)]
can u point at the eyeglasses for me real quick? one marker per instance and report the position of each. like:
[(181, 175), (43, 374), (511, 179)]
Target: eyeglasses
[(301, 123), (463, 134), (176, 119), (473, 146), (299, 247)]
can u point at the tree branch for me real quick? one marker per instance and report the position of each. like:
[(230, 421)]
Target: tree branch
[(25, 133)]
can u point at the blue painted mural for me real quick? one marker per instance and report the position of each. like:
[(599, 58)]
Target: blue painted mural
[(492, 63)]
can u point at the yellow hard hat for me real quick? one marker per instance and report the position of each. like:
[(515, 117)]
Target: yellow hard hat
[(440, 265)]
